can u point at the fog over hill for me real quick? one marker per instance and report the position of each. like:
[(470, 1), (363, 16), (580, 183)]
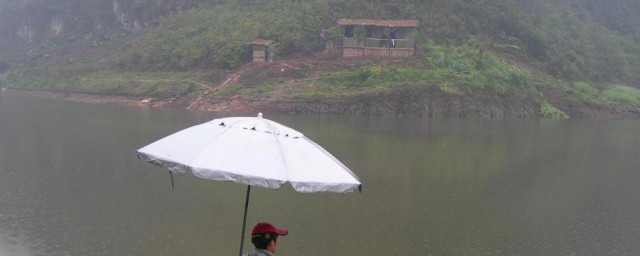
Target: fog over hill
[(571, 39)]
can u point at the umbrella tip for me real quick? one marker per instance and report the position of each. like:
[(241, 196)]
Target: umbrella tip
[(260, 115)]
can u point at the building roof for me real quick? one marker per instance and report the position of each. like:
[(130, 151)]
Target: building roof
[(261, 42), (379, 23)]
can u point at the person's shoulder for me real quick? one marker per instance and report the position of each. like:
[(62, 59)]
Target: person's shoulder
[(258, 252)]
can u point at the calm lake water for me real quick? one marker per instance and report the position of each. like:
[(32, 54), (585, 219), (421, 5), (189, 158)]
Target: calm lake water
[(71, 184)]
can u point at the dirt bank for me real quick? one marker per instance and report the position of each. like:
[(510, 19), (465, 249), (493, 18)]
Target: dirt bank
[(81, 97), (420, 102), (431, 102)]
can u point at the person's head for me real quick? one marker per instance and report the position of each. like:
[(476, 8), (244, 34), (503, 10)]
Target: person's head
[(265, 236)]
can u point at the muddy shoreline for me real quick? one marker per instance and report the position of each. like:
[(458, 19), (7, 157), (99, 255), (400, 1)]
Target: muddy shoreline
[(75, 96), (418, 102)]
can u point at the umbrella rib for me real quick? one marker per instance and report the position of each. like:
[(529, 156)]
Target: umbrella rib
[(226, 129), (333, 158), (284, 160)]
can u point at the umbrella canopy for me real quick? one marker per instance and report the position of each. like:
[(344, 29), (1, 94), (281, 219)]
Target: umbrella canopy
[(252, 151)]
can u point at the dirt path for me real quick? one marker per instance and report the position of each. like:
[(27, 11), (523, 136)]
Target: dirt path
[(231, 79)]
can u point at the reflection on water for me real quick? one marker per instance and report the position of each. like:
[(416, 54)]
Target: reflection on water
[(72, 185), (14, 245)]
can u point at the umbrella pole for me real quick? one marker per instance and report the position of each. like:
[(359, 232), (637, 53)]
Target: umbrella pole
[(244, 221)]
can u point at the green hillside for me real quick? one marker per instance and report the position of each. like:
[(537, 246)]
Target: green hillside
[(582, 51)]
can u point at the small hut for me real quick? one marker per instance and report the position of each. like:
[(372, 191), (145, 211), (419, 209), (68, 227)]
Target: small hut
[(260, 48), (378, 38)]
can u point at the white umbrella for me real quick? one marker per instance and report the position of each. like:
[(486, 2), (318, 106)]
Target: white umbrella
[(253, 151)]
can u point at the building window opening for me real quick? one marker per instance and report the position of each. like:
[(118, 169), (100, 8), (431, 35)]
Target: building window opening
[(348, 31)]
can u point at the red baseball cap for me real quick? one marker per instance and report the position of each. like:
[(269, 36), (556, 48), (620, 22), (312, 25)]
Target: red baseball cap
[(264, 227)]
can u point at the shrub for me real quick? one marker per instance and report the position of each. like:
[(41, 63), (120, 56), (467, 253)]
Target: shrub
[(623, 95), (468, 69), (550, 111), (585, 92)]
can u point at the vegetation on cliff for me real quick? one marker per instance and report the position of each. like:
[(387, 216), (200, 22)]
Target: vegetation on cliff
[(580, 51)]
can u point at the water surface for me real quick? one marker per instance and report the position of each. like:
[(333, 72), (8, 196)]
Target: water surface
[(71, 184)]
